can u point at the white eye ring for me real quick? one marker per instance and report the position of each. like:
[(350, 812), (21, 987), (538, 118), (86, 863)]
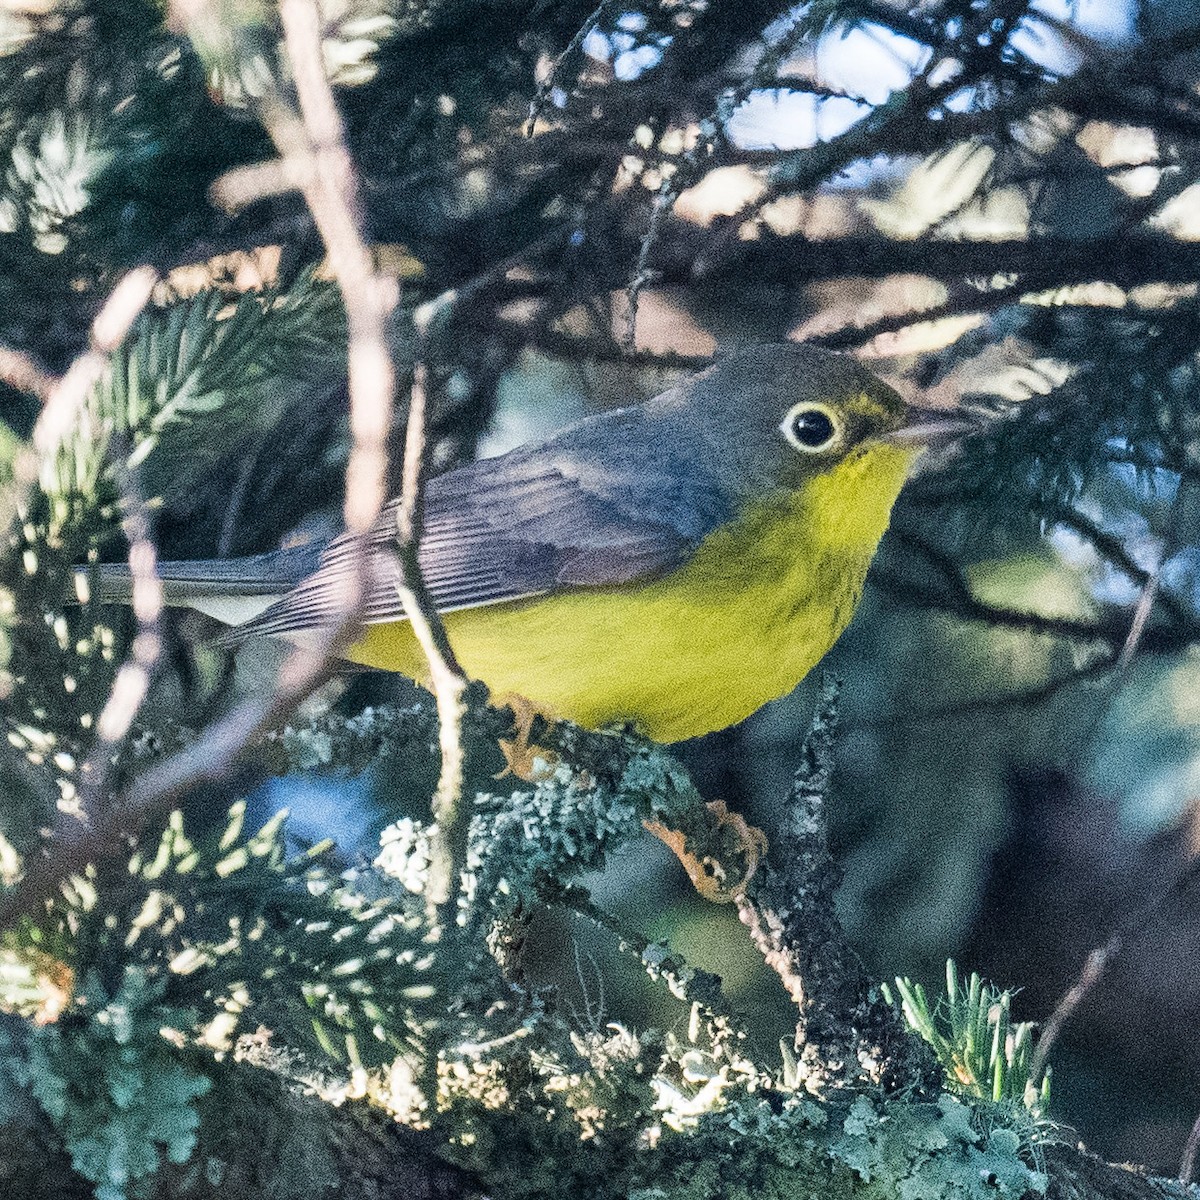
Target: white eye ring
[(812, 427)]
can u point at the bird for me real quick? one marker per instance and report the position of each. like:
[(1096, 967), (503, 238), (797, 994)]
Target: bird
[(671, 566)]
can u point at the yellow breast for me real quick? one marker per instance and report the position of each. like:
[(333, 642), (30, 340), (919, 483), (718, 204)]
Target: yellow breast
[(742, 622)]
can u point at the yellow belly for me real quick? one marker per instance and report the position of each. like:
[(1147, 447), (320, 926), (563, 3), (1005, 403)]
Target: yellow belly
[(757, 606)]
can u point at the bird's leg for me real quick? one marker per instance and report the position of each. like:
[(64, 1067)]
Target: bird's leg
[(732, 839), (525, 759)]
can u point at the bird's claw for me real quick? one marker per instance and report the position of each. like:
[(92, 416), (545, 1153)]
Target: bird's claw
[(708, 873), (524, 758)]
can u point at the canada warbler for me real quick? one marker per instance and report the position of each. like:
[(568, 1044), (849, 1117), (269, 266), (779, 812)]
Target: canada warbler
[(676, 564)]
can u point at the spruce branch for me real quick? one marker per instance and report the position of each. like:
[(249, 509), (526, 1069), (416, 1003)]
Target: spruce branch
[(368, 303)]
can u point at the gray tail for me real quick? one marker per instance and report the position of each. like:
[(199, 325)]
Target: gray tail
[(185, 582)]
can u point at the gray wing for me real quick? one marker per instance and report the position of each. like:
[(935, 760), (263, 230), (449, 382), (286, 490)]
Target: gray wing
[(607, 502)]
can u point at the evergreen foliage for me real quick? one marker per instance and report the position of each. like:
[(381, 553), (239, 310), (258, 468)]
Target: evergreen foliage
[(525, 169), (985, 1054)]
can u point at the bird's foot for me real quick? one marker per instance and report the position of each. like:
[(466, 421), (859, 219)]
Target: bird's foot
[(733, 840), (525, 758)]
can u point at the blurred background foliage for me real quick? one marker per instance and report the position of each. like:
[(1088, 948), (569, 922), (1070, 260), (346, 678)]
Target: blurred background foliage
[(995, 204)]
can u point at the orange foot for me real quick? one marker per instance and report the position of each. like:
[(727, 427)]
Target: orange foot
[(709, 875), (526, 760)]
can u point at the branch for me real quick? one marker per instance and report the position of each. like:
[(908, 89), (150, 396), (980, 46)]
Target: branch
[(958, 601), (19, 371), (329, 182), (133, 679), (846, 1033), (449, 681), (1042, 261), (315, 150)]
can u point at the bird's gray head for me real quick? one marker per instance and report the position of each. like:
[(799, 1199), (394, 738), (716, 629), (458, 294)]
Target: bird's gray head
[(773, 416)]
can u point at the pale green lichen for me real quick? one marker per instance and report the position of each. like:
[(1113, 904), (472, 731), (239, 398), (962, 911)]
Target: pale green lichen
[(871, 1150), (752, 1147), (117, 1090)]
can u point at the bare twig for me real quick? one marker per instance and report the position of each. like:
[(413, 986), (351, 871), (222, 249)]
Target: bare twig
[(1185, 493), (64, 398), (697, 987), (315, 159), (19, 371), (1141, 617), (245, 185), (317, 150), (109, 329), (1187, 1163), (132, 683), (1094, 966), (1114, 551), (600, 349), (446, 676), (967, 607), (1100, 959), (538, 105), (642, 274)]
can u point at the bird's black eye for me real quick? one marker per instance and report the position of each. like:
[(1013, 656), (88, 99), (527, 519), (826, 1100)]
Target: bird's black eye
[(811, 427)]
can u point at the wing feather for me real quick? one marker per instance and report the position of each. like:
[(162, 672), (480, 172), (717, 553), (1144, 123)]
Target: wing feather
[(533, 521)]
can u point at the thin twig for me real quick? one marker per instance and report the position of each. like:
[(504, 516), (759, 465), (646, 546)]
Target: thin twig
[(242, 186), (446, 676), (642, 274), (1146, 601), (1094, 966), (696, 986), (315, 158), (317, 148), (600, 349), (538, 105), (1111, 548), (967, 300), (968, 608), (1100, 959), (1141, 617), (1187, 1164), (133, 679), (63, 399), (19, 371)]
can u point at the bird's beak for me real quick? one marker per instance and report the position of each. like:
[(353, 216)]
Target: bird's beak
[(932, 427)]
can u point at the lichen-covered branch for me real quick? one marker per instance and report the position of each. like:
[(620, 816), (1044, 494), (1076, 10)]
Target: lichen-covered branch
[(847, 1034)]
